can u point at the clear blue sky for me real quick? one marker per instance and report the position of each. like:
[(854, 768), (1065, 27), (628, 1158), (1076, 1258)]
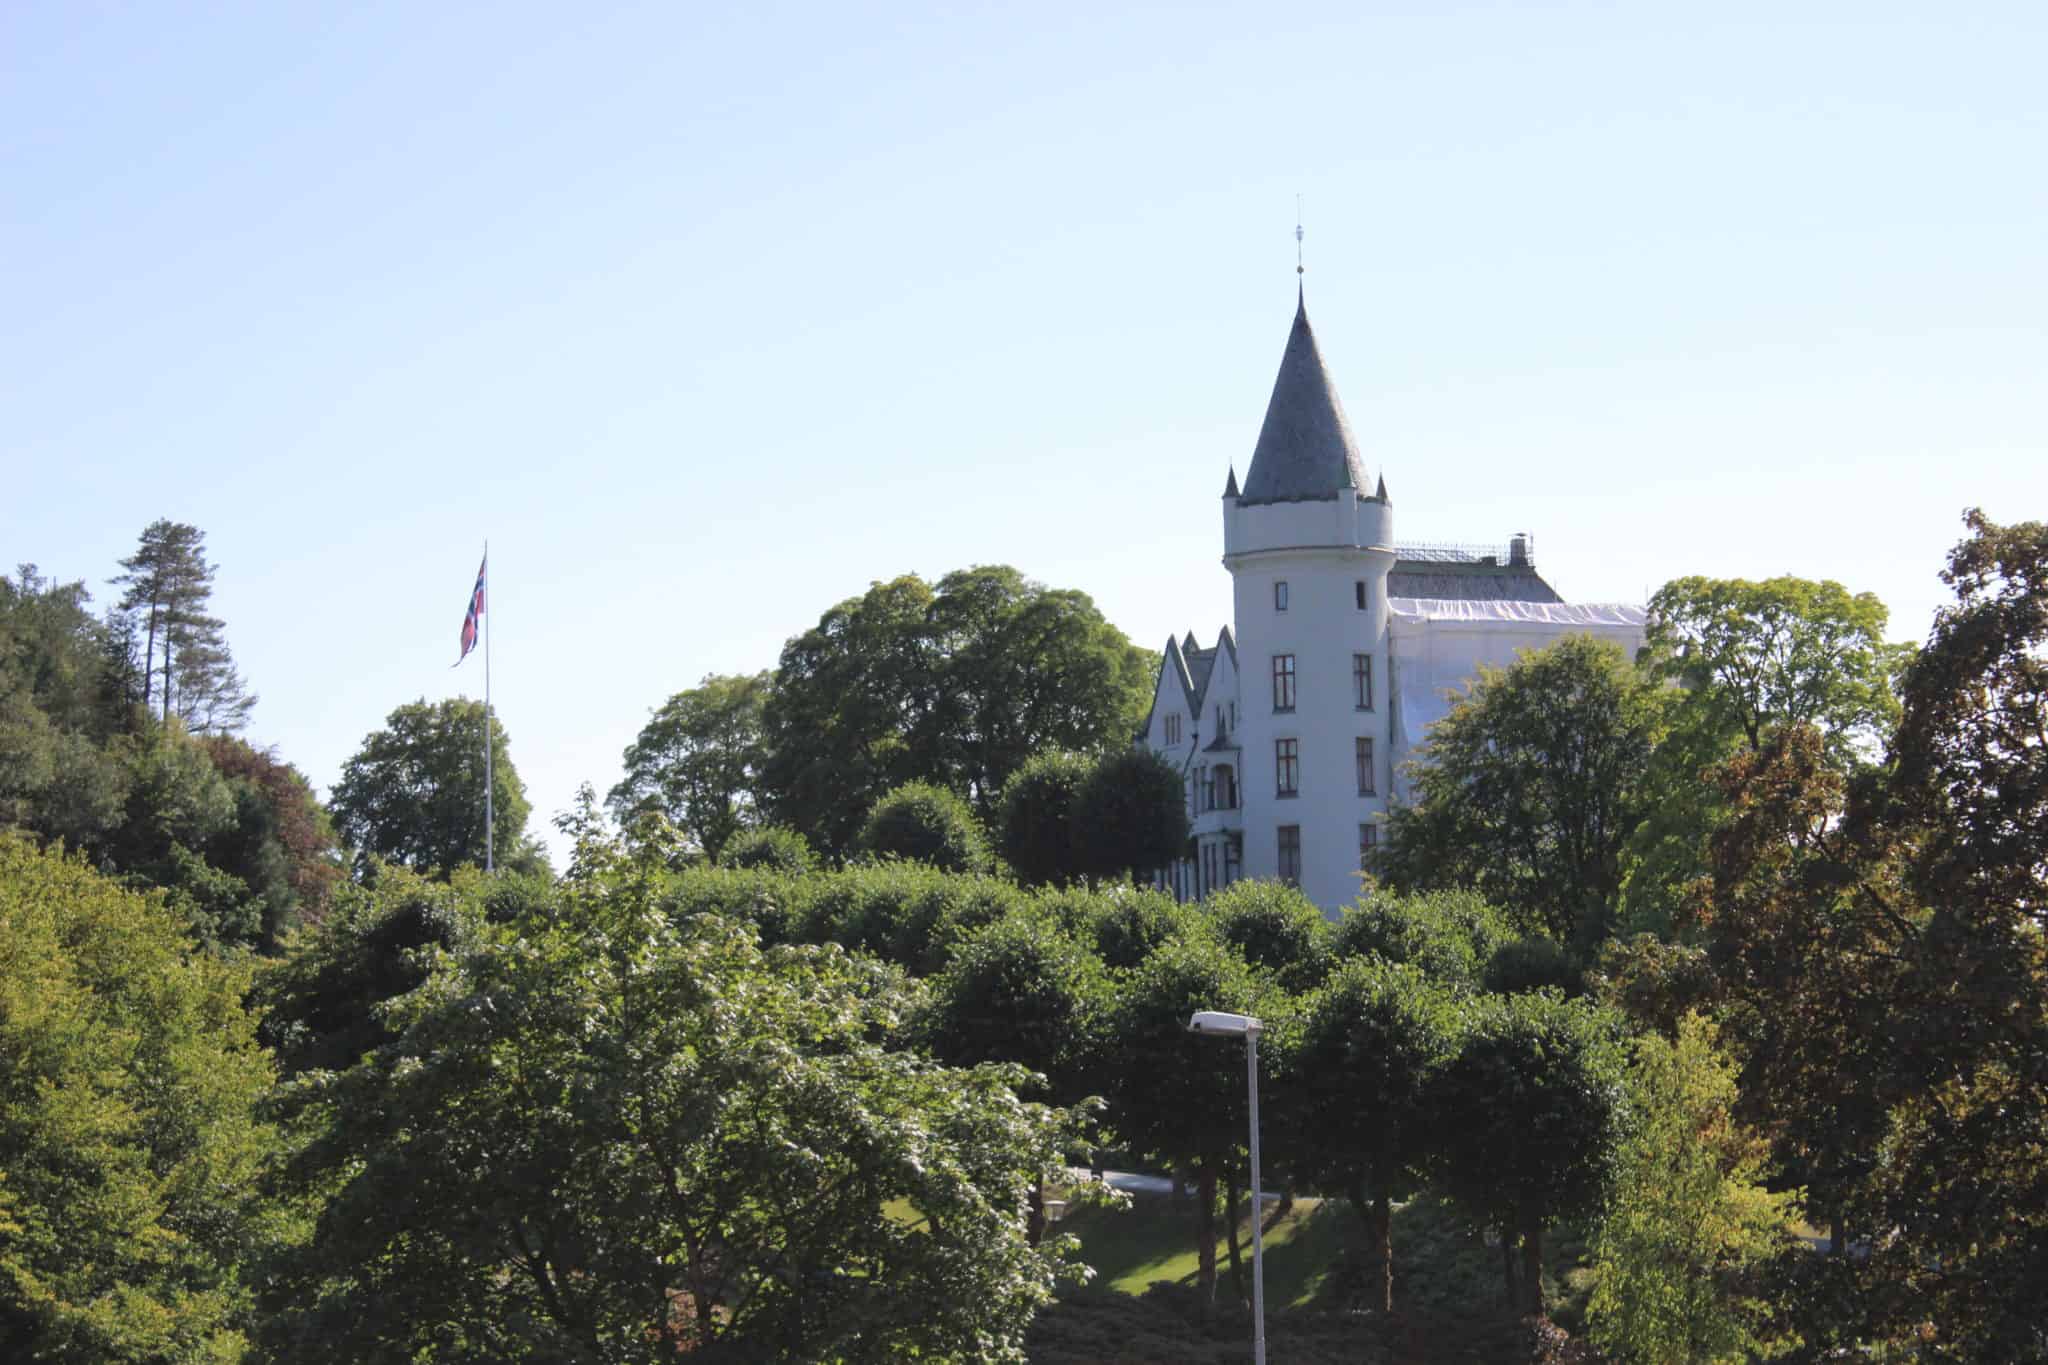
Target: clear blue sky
[(708, 316)]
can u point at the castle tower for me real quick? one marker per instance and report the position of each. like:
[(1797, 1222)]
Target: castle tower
[(1309, 549)]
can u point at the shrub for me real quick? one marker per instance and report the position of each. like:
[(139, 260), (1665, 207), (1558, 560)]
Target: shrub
[(1037, 831), (921, 823), (775, 847), (1275, 927)]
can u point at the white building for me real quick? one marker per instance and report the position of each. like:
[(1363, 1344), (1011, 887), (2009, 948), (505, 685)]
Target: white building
[(1292, 728)]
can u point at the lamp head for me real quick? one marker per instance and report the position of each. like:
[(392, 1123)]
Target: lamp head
[(1222, 1025)]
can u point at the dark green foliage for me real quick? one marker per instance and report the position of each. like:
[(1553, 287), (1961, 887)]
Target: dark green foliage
[(1127, 923), (906, 913), (1022, 990), (620, 1136), (414, 792), (1450, 935), (698, 761), (321, 1006), (1528, 1117), (130, 1078), (955, 686), (777, 905), (921, 823), (1531, 964), (1530, 788), (1133, 815), (1358, 1068), (1656, 983), (1175, 1097), (777, 848), (186, 667), (1036, 821), (1274, 928)]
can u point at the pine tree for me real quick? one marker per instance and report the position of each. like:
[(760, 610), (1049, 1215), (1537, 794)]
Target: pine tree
[(169, 583)]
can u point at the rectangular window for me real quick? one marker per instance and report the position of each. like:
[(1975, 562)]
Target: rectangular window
[(1290, 854), (1172, 729), (1361, 681), (1283, 682), (1368, 843), (1368, 782), (1359, 589), (1280, 595), (1286, 766), (1231, 851)]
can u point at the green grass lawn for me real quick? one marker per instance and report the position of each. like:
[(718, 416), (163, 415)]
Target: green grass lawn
[(1315, 1253)]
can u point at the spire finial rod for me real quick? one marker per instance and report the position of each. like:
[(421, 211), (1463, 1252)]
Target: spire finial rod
[(1297, 235)]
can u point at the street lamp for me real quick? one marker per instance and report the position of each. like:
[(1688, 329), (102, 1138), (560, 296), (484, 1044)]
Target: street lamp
[(1217, 1024)]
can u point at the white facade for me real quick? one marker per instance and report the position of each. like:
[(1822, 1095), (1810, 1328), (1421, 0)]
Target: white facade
[(1291, 729)]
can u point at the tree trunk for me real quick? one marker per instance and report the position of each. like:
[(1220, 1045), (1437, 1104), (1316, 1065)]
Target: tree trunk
[(1532, 1266), (149, 658), (1034, 1223), (1205, 1240), (1507, 1264), (1382, 1221), (1230, 1235)]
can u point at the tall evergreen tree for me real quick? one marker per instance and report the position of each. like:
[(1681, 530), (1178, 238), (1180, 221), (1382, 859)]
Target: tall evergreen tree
[(187, 667)]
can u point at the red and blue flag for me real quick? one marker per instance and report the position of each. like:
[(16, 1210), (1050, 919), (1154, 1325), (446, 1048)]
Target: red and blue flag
[(476, 609)]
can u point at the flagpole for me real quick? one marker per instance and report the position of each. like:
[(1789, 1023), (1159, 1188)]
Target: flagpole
[(490, 814)]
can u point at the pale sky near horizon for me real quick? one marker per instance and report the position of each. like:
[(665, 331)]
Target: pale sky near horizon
[(708, 316)]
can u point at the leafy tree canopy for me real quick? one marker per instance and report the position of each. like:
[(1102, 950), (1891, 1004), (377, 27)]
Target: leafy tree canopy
[(414, 792), (921, 823), (776, 847), (616, 1135), (955, 685), (1037, 830), (1132, 814), (698, 761), (131, 1079), (1529, 1116), (1530, 788)]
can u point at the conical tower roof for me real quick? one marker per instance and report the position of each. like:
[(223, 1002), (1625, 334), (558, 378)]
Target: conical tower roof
[(1306, 450)]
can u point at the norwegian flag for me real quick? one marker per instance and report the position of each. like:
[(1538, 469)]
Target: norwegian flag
[(476, 609)]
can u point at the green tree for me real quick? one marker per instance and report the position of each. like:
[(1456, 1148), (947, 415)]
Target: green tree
[(921, 823), (280, 826), (1452, 936), (1036, 825), (771, 846), (132, 1147), (1530, 788), (1022, 990), (1132, 814), (322, 1004), (414, 792), (186, 664), (1275, 928), (1174, 1097), (1784, 651), (1749, 657), (955, 686), (614, 1135), (1529, 1116), (698, 761), (1359, 1065), (1680, 1250), (1965, 812)]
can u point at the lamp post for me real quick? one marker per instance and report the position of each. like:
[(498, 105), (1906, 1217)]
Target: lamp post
[(1217, 1024)]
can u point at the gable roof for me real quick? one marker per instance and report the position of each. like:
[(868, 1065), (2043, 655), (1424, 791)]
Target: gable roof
[(1306, 451)]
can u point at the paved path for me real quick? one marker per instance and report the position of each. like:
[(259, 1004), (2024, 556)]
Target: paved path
[(1137, 1182)]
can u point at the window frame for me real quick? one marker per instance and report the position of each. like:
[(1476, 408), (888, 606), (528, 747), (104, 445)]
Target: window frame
[(1361, 682), (1284, 846), (1286, 768), (1367, 761), (1280, 595), (1283, 683)]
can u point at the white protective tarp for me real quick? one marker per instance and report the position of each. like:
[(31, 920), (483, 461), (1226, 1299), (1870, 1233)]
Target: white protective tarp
[(1437, 645)]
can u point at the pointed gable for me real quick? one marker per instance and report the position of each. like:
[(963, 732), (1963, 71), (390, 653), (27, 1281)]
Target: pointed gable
[(1306, 451)]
